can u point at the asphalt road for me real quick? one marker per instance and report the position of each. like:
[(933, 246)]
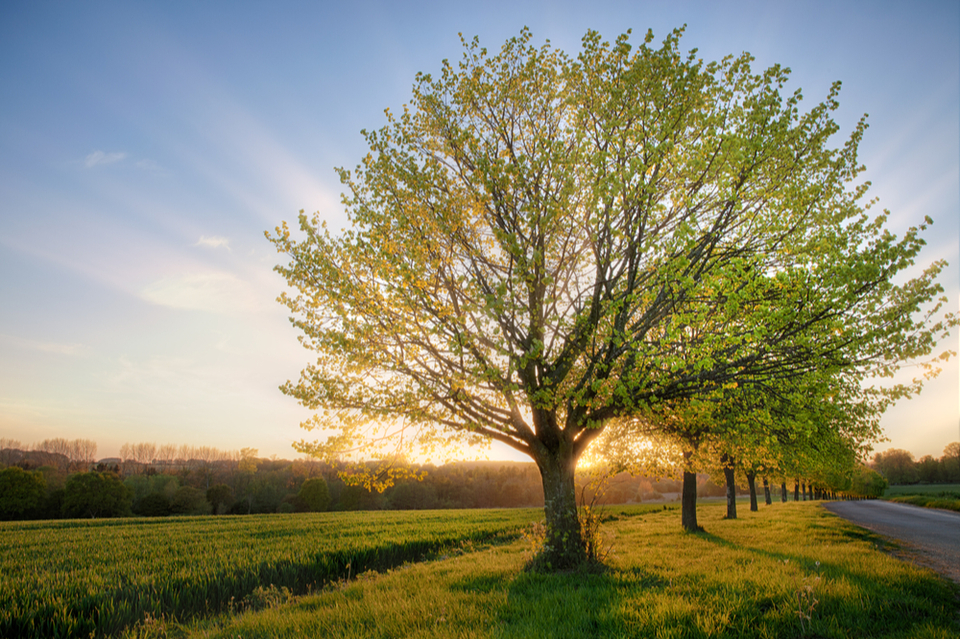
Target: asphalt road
[(929, 537)]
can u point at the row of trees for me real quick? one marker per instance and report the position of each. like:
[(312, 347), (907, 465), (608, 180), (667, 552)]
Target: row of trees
[(227, 485), (40, 484), (632, 243), (59, 452), (900, 467), (32, 488)]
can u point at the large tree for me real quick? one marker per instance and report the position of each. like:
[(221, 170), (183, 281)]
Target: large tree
[(540, 244)]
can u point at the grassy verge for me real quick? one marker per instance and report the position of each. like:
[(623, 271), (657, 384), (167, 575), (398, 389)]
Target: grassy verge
[(791, 570), (934, 496)]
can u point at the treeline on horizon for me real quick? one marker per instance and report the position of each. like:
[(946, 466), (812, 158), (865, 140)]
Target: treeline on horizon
[(199, 481), (899, 466), (62, 479)]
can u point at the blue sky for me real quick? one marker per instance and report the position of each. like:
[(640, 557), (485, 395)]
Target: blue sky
[(146, 147)]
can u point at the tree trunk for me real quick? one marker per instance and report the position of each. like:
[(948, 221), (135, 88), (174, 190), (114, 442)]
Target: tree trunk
[(688, 500), (796, 491), (783, 492), (803, 490), (564, 546), (766, 491), (729, 476), (752, 483)]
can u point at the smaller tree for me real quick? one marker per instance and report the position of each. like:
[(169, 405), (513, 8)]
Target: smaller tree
[(950, 463), (220, 497), (314, 494), (897, 466), (95, 495), (154, 505), (22, 493), (928, 470), (189, 501), (867, 483)]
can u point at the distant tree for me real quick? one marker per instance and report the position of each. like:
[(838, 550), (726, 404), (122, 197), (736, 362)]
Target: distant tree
[(248, 461), (78, 453), (53, 504), (928, 469), (167, 454), (138, 456), (896, 465), (56, 480), (22, 493), (950, 463), (95, 495), (410, 494), (82, 452), (189, 501), (267, 491), (220, 497), (358, 498), (143, 485), (315, 494), (10, 451), (152, 506), (867, 483), (59, 448)]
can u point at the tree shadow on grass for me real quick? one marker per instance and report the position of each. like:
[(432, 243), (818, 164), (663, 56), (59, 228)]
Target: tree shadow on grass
[(792, 595), (898, 604)]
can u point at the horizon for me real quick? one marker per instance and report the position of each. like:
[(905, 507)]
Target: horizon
[(145, 149)]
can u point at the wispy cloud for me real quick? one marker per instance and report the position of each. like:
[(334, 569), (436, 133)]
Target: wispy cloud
[(150, 166), (46, 347), (99, 157), (213, 242), (216, 292)]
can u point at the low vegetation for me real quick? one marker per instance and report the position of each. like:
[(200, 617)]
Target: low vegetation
[(936, 496), (790, 570)]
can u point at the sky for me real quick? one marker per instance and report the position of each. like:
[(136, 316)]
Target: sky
[(146, 147)]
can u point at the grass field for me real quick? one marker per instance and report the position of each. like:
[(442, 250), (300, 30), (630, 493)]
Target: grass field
[(935, 496), (97, 577), (790, 570)]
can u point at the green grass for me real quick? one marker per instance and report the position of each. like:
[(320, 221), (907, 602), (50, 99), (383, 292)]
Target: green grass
[(934, 496), (919, 489), (97, 577), (791, 570)]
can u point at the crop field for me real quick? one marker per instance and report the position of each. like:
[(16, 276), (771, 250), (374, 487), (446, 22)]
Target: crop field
[(78, 578), (789, 570)]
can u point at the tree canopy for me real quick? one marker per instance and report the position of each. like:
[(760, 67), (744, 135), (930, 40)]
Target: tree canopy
[(540, 244), (95, 495), (21, 493)]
